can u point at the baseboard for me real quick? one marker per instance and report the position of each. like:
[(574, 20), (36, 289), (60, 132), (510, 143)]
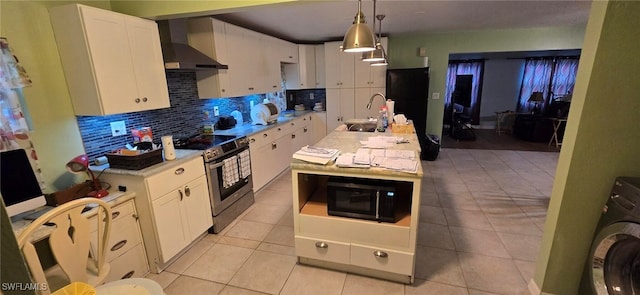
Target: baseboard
[(534, 289)]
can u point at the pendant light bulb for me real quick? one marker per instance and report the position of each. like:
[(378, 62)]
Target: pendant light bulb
[(359, 37)]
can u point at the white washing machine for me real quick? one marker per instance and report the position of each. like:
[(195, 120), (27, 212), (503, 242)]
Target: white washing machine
[(614, 262)]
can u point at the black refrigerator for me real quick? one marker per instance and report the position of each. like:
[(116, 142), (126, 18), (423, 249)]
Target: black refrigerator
[(409, 88)]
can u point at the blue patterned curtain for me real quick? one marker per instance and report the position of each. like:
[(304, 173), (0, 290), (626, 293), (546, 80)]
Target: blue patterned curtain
[(554, 77), (455, 68)]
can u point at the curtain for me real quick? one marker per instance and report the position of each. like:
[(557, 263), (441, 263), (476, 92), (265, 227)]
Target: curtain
[(554, 77), (537, 74), (455, 68), (14, 130), (564, 77)]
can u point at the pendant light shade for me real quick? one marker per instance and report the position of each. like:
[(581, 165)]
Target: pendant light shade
[(378, 55), (359, 37)]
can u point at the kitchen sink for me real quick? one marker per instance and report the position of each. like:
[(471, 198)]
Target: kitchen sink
[(362, 125)]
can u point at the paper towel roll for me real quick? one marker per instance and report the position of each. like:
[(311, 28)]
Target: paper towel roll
[(390, 105), (169, 149)]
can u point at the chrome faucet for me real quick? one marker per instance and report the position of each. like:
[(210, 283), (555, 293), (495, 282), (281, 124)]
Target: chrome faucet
[(373, 96)]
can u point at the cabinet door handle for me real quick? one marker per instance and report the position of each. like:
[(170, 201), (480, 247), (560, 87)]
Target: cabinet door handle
[(274, 146), (118, 245), (293, 124), (264, 135), (115, 214), (252, 140), (274, 86), (181, 194), (179, 171), (187, 191), (135, 216), (305, 129), (380, 254), (322, 245), (293, 136), (279, 129), (137, 100), (223, 90), (144, 99), (128, 275)]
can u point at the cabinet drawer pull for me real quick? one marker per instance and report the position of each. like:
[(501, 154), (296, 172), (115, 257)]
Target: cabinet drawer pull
[(293, 124), (305, 129), (293, 136), (274, 86), (118, 245), (137, 100), (380, 254), (179, 171), (322, 245), (274, 146), (187, 191), (115, 214), (144, 99), (181, 194), (279, 129), (252, 140), (128, 275), (264, 135)]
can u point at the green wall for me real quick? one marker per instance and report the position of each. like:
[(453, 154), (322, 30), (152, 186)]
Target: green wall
[(601, 142), (174, 9), (55, 136), (403, 53)]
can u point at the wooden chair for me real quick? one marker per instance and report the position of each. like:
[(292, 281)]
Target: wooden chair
[(69, 232)]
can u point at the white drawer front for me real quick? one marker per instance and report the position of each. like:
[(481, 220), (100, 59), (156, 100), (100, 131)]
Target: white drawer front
[(124, 236), (168, 180), (322, 249), (131, 264), (119, 213), (386, 260)]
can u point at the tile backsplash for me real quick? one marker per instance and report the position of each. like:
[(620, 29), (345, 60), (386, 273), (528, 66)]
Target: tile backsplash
[(186, 115)]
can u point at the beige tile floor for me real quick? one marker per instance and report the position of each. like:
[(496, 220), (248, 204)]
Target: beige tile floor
[(481, 220)]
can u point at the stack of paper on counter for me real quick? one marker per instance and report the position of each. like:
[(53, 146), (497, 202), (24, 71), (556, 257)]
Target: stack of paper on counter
[(316, 155), (381, 141), (361, 159)]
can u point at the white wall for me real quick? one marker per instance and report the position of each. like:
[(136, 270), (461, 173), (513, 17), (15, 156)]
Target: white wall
[(501, 85)]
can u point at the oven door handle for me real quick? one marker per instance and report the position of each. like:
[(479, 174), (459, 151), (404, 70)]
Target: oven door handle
[(214, 166)]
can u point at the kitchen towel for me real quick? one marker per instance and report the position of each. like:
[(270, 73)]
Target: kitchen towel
[(169, 149), (245, 164), (230, 172)]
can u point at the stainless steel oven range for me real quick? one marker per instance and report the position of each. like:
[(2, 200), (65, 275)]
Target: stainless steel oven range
[(228, 168)]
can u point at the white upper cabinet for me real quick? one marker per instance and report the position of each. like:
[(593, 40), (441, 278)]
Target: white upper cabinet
[(112, 62), (320, 67), (288, 51), (303, 74), (370, 76), (254, 67), (339, 66)]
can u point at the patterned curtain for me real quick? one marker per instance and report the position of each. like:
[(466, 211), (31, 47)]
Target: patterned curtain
[(564, 77), (554, 74), (536, 78), (14, 130), (455, 68)]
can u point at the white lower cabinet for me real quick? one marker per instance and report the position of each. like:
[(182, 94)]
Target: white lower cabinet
[(173, 205), (125, 251), (322, 249), (181, 216), (382, 259)]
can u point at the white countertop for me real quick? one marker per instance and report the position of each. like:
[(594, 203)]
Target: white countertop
[(248, 129), (181, 157)]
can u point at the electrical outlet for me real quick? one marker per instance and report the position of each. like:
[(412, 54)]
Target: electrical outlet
[(216, 111), (118, 128), (311, 96), (435, 95)]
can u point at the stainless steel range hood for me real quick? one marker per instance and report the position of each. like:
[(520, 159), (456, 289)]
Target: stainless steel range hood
[(176, 52)]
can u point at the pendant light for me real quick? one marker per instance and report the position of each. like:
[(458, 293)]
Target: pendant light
[(359, 37), (378, 56)]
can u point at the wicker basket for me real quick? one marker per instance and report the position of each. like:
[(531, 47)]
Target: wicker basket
[(136, 162)]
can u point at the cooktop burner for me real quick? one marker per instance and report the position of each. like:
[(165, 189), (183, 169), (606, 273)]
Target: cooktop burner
[(201, 141)]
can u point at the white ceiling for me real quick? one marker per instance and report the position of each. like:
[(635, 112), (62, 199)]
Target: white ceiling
[(319, 21)]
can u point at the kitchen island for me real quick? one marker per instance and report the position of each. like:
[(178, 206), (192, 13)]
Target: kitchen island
[(379, 249)]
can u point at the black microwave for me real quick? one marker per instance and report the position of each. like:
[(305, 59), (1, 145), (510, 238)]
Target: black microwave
[(361, 198)]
